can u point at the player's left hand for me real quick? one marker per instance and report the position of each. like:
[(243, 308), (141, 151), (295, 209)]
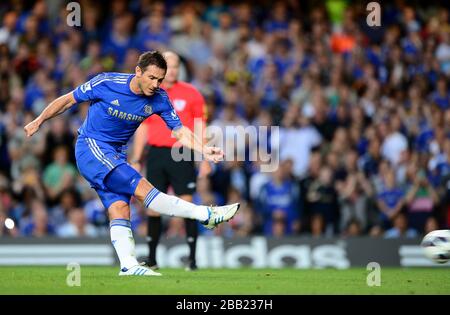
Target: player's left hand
[(213, 154), (32, 128)]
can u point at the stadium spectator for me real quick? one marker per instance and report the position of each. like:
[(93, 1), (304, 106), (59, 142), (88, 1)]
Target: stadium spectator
[(421, 197), (323, 203), (243, 224), (394, 143), (120, 39), (278, 203), (353, 229), (37, 223), (60, 174), (354, 193), (301, 140), (96, 215), (77, 225), (400, 228), (8, 32), (390, 200), (59, 134), (431, 225), (67, 200)]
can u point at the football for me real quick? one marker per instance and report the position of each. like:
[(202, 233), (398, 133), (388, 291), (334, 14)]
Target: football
[(436, 246)]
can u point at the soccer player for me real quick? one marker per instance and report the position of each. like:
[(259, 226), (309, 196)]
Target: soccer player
[(119, 103), (161, 169)]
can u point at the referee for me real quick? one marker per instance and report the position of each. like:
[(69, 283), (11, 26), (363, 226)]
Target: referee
[(162, 170)]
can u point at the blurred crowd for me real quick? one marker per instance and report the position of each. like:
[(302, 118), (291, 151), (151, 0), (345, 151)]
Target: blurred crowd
[(363, 111)]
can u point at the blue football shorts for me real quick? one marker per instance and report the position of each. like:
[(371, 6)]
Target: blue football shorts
[(104, 166)]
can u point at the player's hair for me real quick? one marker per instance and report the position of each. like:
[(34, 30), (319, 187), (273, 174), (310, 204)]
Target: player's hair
[(152, 58)]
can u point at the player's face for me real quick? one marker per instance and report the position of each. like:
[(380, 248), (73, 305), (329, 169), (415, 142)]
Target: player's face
[(150, 79)]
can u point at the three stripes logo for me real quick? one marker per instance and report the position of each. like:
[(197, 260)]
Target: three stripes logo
[(115, 102), (218, 220), (140, 271)]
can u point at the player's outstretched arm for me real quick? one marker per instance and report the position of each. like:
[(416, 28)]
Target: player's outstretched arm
[(190, 140), (58, 106)]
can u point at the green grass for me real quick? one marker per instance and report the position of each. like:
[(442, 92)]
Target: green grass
[(104, 280)]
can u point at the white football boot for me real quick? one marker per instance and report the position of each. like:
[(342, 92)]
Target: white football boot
[(138, 270), (218, 215)]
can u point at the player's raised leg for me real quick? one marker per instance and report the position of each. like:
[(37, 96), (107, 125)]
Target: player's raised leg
[(123, 182), (123, 241), (170, 205)]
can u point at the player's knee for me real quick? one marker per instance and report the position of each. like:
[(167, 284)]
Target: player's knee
[(119, 210)]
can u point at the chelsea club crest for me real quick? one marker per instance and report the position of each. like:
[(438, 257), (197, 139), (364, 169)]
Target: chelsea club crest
[(148, 109)]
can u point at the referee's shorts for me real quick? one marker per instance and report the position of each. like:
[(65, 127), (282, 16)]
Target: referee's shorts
[(163, 171)]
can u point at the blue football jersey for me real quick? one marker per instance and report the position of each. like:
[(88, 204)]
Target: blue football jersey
[(116, 112)]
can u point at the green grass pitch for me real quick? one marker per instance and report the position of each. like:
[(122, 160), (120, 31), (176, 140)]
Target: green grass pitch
[(104, 280)]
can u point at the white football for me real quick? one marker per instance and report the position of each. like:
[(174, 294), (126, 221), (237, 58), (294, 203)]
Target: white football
[(436, 246)]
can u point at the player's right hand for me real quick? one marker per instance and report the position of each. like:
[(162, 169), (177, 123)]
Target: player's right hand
[(213, 154), (32, 128)]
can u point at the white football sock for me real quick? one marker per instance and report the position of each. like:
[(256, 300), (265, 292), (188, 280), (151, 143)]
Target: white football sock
[(174, 206), (123, 242)]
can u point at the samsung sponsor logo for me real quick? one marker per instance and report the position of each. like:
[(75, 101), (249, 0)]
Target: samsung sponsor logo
[(123, 115)]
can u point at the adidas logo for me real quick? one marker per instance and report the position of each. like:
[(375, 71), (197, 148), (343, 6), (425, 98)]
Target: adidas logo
[(115, 102)]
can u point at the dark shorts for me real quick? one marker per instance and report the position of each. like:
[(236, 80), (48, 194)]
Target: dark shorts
[(163, 171)]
